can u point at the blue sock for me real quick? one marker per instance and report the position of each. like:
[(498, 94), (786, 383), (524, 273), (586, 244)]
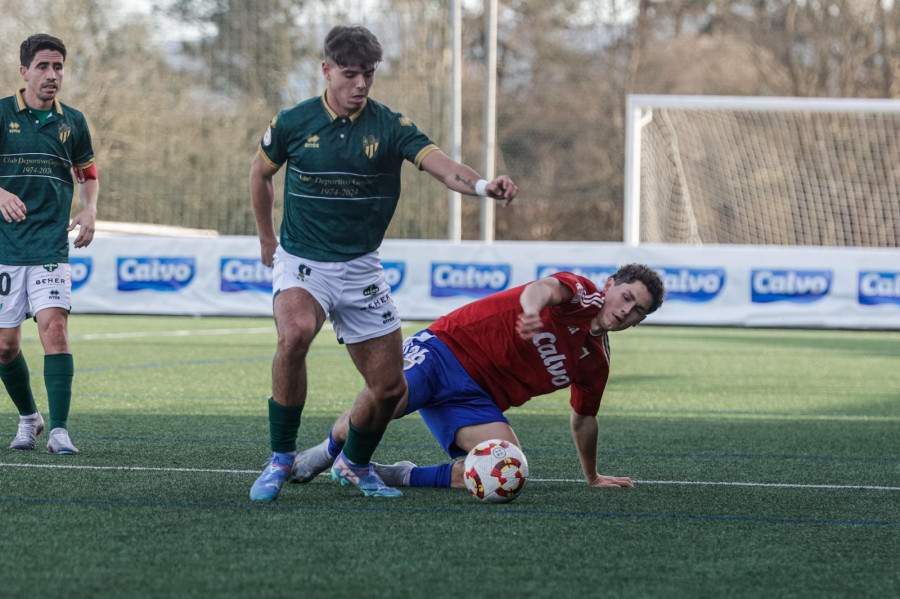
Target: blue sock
[(334, 448), (431, 476)]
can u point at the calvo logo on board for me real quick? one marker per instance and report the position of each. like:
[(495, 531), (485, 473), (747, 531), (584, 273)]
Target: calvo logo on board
[(394, 274), (597, 274), (692, 284), (798, 286), (244, 274), (879, 287), (80, 269), (450, 279), (155, 273)]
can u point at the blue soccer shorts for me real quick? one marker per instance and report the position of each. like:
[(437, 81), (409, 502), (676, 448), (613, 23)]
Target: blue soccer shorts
[(443, 392)]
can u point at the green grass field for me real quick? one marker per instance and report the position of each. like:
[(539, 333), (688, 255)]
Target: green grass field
[(766, 462)]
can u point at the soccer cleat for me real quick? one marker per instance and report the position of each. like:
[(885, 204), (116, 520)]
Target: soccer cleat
[(395, 475), (363, 478), (311, 463), (59, 443), (269, 483), (30, 427)]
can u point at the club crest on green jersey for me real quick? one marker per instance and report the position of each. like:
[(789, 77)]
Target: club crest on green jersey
[(370, 142)]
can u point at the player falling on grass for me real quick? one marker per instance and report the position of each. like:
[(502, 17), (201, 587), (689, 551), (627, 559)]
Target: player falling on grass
[(496, 353), (344, 152), (46, 148)]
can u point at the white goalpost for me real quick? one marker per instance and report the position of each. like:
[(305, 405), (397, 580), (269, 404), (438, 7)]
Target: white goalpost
[(762, 170)]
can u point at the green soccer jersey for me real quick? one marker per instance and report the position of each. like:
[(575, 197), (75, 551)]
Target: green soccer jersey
[(36, 160), (343, 175)]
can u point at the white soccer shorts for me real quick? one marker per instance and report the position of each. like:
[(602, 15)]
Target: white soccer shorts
[(353, 294), (26, 290)]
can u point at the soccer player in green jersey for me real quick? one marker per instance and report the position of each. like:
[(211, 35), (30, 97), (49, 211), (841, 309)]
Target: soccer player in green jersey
[(45, 147), (343, 152)]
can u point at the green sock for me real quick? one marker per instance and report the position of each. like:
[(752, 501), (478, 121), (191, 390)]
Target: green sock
[(58, 372), (360, 445), (17, 381), (284, 422)]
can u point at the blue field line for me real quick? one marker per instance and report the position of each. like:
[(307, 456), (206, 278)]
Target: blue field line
[(737, 412), (327, 352), (528, 450), (611, 409), (479, 510), (261, 441), (751, 456)]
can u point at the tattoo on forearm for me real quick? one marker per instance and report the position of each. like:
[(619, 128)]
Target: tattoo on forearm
[(467, 182)]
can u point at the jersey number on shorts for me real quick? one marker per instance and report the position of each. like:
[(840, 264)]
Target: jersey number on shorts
[(414, 354)]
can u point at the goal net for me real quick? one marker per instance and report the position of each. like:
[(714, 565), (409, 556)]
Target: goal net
[(751, 170)]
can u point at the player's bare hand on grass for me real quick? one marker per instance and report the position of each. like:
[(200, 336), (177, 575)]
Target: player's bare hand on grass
[(11, 207), (502, 188), (611, 481)]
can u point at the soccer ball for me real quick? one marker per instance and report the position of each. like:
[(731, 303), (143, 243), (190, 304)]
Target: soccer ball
[(496, 471)]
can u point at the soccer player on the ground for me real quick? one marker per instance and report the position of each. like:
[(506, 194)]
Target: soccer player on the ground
[(496, 353), (344, 152), (45, 147)]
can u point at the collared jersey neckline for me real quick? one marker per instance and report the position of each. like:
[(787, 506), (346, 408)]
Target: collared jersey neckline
[(335, 116), (21, 105)]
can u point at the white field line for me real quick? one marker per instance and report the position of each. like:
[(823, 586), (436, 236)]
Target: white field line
[(181, 333), (728, 484), (536, 480), (129, 468)]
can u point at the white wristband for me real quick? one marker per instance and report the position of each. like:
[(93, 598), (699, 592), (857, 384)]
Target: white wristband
[(481, 188)]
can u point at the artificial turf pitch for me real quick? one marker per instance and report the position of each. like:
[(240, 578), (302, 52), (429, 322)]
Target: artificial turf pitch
[(766, 464)]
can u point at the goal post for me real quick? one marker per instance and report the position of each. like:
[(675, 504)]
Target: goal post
[(762, 170)]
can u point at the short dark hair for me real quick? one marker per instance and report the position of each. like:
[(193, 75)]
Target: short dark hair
[(646, 275), (36, 43), (353, 46)]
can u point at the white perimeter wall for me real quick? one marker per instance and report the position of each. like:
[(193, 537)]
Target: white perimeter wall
[(707, 285)]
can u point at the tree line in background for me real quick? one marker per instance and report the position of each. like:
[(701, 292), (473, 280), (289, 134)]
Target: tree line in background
[(176, 124)]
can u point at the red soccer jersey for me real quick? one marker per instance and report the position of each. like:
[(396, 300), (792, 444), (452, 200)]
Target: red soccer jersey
[(482, 336)]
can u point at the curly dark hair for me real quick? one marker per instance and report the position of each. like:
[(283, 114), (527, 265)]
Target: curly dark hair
[(353, 46), (36, 43), (630, 273)]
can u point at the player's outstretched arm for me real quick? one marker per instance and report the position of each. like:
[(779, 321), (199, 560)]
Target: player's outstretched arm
[(535, 297), (584, 432), (464, 179)]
